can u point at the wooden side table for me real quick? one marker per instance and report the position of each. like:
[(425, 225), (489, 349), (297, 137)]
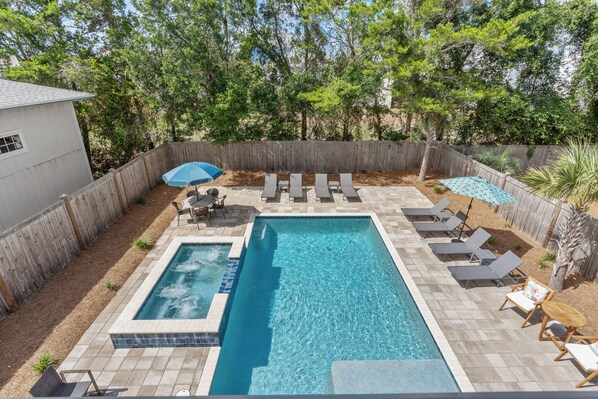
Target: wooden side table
[(564, 314)]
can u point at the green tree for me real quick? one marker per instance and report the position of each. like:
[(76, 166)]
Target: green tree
[(572, 176)]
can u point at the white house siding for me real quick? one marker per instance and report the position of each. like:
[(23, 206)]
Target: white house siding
[(54, 162)]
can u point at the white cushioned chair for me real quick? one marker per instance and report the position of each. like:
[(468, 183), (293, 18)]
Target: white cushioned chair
[(585, 354), (528, 296)]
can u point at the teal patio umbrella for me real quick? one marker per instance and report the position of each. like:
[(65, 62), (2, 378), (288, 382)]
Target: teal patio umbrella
[(192, 174), (477, 188)]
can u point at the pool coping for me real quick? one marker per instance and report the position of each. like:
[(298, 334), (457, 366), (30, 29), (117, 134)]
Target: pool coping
[(126, 324), (447, 352)]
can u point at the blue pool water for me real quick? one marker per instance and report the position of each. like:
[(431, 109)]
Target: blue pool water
[(314, 291), (186, 288)]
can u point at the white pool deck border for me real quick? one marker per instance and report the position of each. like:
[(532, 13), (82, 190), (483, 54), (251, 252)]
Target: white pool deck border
[(126, 323), (443, 345)]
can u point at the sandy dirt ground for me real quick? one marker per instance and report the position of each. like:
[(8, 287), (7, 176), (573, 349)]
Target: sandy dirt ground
[(53, 319)]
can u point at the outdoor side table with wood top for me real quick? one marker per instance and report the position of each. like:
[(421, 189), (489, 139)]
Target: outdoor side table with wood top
[(564, 314)]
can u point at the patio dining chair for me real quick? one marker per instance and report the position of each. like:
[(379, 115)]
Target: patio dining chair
[(192, 193), (213, 192), (528, 296), (219, 204), (585, 352), (201, 213), (52, 384), (180, 210)]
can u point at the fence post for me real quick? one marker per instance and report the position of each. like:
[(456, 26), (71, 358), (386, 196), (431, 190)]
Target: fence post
[(555, 217), (121, 200), (218, 155), (5, 292), (147, 174), (69, 210), (468, 165), (503, 182)]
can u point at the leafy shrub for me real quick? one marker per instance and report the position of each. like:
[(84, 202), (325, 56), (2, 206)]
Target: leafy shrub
[(144, 244), (547, 259), (500, 161), (142, 200), (43, 363), (492, 240), (111, 286), (517, 247), (438, 189)]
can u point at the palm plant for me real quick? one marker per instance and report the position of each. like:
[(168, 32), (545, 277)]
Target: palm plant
[(573, 176), (501, 161)]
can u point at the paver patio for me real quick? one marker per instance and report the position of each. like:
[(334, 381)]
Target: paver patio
[(494, 352)]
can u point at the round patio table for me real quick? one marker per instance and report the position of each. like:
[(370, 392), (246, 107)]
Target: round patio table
[(564, 314)]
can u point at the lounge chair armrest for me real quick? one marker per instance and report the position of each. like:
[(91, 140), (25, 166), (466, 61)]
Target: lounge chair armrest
[(517, 287), (585, 339), (88, 372)]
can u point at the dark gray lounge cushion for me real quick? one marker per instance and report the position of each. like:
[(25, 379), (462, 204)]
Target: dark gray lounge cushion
[(498, 270), (434, 211), (347, 186), (477, 239), (296, 186), (270, 187), (51, 385), (322, 190)]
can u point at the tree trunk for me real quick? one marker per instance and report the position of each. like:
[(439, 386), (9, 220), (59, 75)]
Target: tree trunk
[(173, 135), (85, 136), (408, 122), (426, 159), (303, 124), (571, 235), (346, 135)]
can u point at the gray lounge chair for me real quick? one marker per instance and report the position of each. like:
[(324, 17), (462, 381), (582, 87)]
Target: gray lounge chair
[(296, 187), (500, 271), (347, 188), (270, 187), (322, 190), (437, 212), (51, 384), (449, 227), (468, 248)]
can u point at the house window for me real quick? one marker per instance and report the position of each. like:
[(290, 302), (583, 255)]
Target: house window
[(10, 142)]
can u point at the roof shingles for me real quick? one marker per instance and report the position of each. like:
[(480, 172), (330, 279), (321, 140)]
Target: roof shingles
[(18, 94)]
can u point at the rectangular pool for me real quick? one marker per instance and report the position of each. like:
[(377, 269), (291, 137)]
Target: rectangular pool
[(320, 307), (186, 288)]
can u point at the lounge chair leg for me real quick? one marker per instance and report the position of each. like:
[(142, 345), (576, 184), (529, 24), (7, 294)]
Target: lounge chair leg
[(529, 316), (594, 374), (503, 304), (560, 356)]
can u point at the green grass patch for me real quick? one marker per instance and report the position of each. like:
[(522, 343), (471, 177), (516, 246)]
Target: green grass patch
[(144, 244), (492, 240), (142, 200), (548, 259), (43, 363), (111, 286), (438, 189), (517, 247)]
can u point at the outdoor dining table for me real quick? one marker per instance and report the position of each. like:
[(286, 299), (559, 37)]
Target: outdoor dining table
[(564, 314), (201, 202)]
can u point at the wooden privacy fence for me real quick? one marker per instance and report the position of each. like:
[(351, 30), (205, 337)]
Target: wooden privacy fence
[(528, 156), (537, 216), (306, 156), (35, 249)]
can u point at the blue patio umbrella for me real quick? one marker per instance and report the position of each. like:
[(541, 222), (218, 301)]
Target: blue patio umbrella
[(477, 188), (192, 174)]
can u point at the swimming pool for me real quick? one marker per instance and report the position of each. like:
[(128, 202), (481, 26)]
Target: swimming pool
[(318, 300), (186, 288)]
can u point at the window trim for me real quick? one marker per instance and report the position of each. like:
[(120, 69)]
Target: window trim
[(23, 150)]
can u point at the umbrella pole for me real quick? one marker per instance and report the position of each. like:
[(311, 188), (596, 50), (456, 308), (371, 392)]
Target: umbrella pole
[(196, 192), (466, 216)]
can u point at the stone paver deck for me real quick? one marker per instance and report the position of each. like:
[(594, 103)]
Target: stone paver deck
[(494, 352)]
